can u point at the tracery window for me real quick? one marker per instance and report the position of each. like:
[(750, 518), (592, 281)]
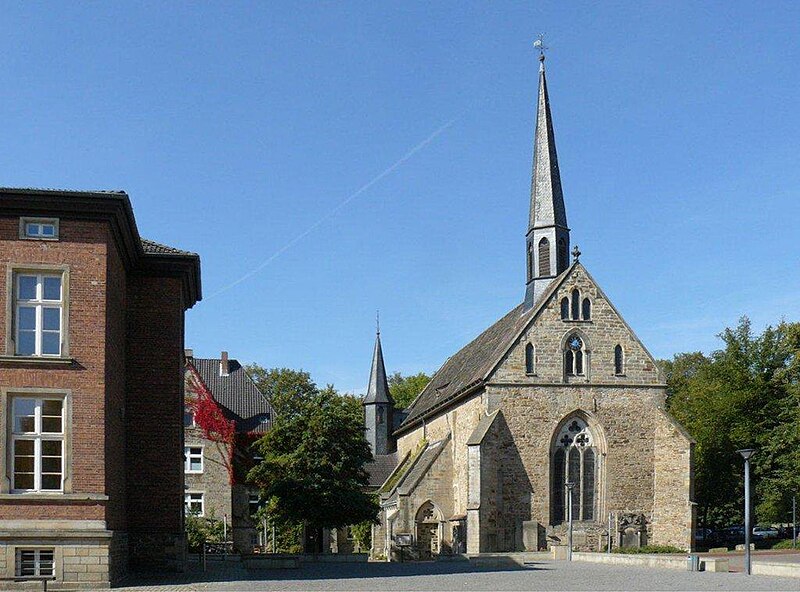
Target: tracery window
[(544, 257), (574, 356), (574, 460), (619, 360), (530, 359)]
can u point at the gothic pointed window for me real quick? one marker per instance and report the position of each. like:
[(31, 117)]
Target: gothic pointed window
[(562, 255), (544, 257), (586, 309), (574, 356), (530, 261), (565, 308), (574, 461), (530, 359), (619, 361), (576, 304)]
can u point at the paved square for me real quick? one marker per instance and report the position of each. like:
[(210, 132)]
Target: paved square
[(443, 576)]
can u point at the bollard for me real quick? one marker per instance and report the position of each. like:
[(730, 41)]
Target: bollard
[(693, 563)]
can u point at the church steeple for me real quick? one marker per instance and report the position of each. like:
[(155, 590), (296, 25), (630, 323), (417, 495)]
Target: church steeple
[(547, 239), (379, 405), (378, 387)]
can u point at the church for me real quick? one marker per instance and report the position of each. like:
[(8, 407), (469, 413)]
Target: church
[(555, 410)]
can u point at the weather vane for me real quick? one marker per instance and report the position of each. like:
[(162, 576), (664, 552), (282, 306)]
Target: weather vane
[(539, 44)]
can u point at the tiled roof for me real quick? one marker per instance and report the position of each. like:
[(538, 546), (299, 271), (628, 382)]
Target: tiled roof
[(154, 248), (35, 190), (237, 393), (470, 365), (380, 468)]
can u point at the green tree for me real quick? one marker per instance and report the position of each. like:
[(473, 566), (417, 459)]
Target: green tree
[(404, 389), (741, 396), (314, 457), (284, 387)]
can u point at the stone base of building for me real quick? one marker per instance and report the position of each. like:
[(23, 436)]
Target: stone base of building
[(82, 558)]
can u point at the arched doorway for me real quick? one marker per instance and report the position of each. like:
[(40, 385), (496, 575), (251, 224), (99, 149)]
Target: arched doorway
[(429, 530)]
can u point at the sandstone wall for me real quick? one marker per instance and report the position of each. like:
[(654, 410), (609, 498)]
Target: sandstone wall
[(459, 422), (601, 334), (673, 512)]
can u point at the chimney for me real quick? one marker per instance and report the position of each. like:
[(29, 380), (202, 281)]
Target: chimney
[(223, 364), (188, 354)]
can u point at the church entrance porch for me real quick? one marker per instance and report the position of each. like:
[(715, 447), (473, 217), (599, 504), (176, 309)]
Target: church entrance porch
[(428, 531)]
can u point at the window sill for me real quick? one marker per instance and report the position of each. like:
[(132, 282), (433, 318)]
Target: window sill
[(54, 497), (577, 321), (532, 374), (37, 360)]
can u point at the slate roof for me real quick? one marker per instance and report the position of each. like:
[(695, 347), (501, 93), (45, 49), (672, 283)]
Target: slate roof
[(378, 387), (480, 431), (237, 393), (414, 468), (469, 366), (154, 248), (380, 468)]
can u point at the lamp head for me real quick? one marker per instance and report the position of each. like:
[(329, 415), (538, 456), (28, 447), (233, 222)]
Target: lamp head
[(746, 453)]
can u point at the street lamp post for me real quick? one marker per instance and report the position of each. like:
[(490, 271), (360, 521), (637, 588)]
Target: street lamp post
[(746, 454), (570, 485)]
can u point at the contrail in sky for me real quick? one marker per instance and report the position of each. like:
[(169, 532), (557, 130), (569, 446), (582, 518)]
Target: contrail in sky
[(386, 172)]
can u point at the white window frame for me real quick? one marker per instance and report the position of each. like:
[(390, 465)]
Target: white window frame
[(187, 503), (26, 222), (187, 459), (37, 436), (39, 304), (37, 562)]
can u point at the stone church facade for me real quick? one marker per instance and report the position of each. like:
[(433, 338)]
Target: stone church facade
[(558, 391)]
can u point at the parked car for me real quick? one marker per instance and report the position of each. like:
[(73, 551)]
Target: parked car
[(732, 535), (703, 535), (765, 532)]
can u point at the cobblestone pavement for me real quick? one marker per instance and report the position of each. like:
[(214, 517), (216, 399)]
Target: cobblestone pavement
[(439, 577)]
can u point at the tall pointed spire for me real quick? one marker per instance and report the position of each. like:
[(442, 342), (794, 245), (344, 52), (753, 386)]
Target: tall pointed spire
[(547, 200), (547, 239), (378, 387)]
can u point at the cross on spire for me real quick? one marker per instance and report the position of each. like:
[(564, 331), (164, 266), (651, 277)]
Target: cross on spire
[(539, 44), (576, 252)]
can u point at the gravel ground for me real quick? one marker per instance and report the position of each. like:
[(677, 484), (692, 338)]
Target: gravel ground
[(541, 575)]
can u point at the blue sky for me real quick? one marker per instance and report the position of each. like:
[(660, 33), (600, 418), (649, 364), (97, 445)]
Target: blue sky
[(241, 130)]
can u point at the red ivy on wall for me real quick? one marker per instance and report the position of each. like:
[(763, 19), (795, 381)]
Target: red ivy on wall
[(208, 416)]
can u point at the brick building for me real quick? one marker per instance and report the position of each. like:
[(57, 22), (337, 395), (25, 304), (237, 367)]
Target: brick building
[(91, 389), (209, 491), (559, 391)]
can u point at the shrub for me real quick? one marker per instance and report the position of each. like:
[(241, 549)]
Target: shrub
[(648, 549), (362, 533), (203, 530), (785, 544)]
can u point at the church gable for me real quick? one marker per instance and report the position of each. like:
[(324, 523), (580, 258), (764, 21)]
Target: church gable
[(577, 336)]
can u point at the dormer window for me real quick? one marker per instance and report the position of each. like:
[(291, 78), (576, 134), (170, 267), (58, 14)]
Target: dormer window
[(39, 228)]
